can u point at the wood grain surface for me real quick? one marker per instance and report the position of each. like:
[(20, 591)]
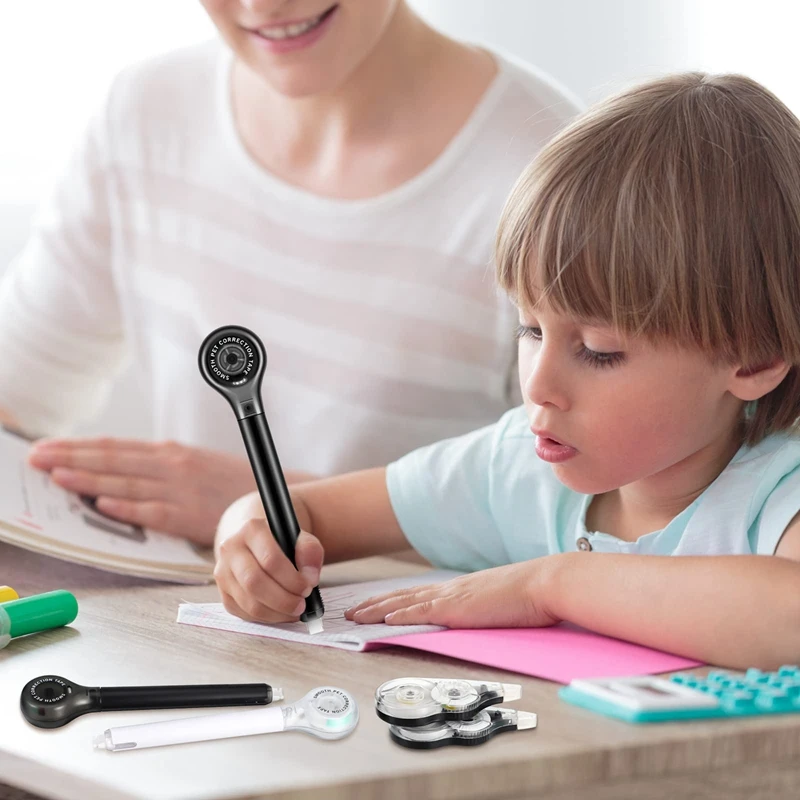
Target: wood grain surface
[(126, 633)]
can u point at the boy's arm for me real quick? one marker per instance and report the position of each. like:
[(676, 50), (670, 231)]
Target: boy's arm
[(733, 611), (789, 543), (350, 514)]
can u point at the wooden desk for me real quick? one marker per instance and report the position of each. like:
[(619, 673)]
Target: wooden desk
[(126, 634)]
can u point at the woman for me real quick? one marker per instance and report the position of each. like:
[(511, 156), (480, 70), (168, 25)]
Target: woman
[(329, 177)]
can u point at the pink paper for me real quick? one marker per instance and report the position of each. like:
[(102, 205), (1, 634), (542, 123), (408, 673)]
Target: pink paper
[(560, 653)]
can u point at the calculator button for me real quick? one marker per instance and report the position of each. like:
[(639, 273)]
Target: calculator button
[(738, 701), (774, 701), (584, 544)]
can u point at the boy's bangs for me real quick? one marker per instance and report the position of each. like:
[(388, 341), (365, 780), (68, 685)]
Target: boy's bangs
[(671, 212), (566, 269), (573, 252)]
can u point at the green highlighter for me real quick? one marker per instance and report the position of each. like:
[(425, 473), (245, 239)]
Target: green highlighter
[(40, 612)]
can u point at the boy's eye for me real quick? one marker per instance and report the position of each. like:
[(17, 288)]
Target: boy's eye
[(526, 332), (596, 359), (592, 357)]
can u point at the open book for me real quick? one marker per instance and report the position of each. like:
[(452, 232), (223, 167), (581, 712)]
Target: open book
[(38, 515)]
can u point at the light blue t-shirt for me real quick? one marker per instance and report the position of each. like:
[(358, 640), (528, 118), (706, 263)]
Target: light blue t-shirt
[(486, 499)]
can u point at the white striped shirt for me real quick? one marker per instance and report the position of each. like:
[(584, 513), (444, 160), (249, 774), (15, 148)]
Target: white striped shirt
[(380, 318)]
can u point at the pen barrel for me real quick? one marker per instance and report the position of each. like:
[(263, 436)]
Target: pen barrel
[(118, 698), (270, 482), (197, 729)]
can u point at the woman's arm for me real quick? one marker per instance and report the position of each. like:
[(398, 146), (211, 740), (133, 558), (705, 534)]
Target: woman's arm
[(733, 611), (8, 419)]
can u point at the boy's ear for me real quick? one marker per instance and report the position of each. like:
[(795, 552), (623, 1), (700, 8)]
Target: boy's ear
[(751, 383)]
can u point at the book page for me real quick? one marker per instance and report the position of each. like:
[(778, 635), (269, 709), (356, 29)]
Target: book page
[(339, 632), (39, 515)]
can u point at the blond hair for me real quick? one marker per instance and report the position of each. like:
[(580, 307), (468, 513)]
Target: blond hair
[(672, 211)]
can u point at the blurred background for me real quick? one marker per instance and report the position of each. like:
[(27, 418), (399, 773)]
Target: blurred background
[(57, 57)]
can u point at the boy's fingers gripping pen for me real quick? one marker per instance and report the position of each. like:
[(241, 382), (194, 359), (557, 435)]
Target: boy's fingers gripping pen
[(232, 360), (309, 555)]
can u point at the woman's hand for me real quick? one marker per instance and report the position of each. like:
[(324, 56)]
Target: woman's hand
[(164, 486), (514, 596)]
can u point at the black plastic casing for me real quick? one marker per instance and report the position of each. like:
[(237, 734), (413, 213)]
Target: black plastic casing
[(499, 725), (487, 699), (75, 700)]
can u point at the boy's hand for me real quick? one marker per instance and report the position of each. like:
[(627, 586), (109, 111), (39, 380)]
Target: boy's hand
[(256, 580), (514, 596), (165, 486)]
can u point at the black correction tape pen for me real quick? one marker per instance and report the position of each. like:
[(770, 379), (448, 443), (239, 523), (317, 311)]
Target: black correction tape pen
[(232, 360), (51, 701)]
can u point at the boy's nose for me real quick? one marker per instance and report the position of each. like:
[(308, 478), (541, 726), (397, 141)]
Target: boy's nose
[(545, 383)]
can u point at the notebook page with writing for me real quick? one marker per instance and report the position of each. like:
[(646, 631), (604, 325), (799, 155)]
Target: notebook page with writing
[(339, 632), (561, 653)]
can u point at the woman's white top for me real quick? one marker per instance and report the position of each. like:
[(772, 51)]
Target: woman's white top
[(382, 324)]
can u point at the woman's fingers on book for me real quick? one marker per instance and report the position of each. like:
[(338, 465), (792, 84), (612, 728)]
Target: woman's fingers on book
[(105, 456), (183, 490)]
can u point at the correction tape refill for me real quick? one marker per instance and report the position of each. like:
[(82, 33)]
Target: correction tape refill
[(466, 733), (414, 702)]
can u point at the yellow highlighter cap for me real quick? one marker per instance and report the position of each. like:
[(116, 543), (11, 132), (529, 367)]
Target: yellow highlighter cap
[(7, 593)]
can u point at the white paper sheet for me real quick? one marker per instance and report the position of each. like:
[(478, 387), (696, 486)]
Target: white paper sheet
[(339, 632)]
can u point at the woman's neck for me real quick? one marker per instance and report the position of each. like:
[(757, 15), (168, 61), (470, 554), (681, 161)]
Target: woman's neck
[(389, 70), (372, 119)]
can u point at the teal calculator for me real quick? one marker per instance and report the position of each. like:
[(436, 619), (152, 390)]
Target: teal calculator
[(683, 696)]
